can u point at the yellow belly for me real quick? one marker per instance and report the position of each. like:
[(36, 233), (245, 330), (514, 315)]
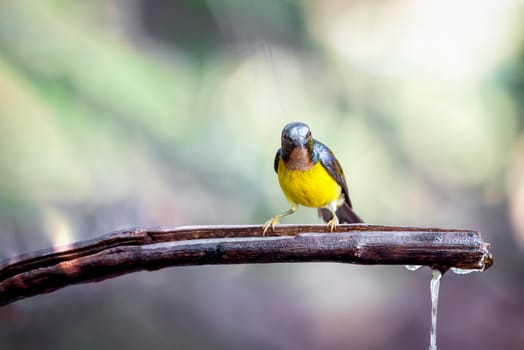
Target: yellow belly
[(312, 188)]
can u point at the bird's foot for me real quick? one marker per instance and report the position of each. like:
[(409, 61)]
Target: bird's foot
[(332, 224), (271, 223)]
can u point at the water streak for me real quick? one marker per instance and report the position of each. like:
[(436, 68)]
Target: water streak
[(434, 286)]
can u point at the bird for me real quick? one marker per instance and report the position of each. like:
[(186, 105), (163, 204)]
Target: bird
[(310, 175)]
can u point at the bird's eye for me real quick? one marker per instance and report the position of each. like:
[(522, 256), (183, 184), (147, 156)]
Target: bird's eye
[(308, 134)]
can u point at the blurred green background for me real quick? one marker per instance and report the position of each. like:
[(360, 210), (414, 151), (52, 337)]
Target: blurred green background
[(161, 113)]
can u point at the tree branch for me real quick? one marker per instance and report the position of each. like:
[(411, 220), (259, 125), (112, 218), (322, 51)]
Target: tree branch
[(126, 251)]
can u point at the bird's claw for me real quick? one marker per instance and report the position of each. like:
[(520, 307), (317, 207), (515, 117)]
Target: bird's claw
[(332, 224), (270, 223)]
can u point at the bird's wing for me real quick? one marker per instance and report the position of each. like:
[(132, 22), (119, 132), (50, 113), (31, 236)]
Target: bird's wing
[(328, 160), (277, 158)]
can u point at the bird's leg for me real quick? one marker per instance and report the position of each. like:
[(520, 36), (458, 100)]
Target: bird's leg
[(276, 219), (332, 224)]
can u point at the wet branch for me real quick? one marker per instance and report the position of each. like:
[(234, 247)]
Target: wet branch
[(126, 251)]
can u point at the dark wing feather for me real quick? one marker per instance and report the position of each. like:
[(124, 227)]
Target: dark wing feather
[(277, 158), (328, 160), (326, 157)]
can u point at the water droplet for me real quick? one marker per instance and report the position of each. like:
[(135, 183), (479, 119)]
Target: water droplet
[(460, 271), (434, 287), (412, 267)]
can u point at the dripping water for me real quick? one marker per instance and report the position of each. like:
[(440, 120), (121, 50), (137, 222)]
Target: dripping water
[(434, 287)]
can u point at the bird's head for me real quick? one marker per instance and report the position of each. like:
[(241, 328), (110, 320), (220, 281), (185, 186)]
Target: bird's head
[(296, 134)]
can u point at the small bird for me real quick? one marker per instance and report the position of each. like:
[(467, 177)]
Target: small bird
[(310, 175)]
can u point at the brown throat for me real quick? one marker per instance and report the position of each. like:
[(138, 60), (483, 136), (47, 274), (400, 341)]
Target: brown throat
[(299, 159)]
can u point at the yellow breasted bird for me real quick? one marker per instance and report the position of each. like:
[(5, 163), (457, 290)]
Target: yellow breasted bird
[(310, 175)]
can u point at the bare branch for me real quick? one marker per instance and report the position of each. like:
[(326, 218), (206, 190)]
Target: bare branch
[(138, 249)]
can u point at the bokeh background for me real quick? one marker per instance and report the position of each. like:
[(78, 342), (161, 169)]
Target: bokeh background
[(121, 113)]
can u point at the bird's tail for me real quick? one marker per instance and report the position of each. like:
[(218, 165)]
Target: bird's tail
[(345, 215)]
